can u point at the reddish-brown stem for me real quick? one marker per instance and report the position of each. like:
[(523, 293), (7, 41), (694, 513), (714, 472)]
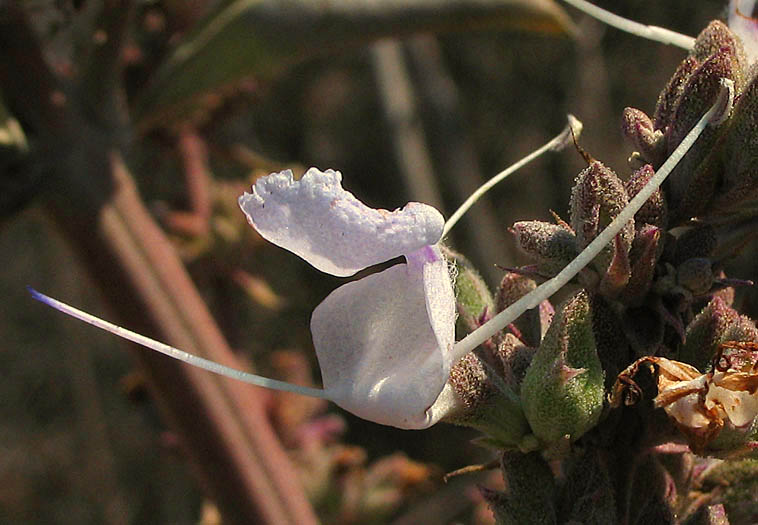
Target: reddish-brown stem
[(221, 423), (194, 157), (92, 198)]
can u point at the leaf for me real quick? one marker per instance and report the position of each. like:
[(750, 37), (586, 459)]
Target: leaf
[(263, 37)]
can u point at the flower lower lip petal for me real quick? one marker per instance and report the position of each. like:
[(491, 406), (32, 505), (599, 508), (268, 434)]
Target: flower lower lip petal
[(383, 355)]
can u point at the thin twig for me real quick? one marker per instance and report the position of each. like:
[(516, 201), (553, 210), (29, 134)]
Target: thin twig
[(221, 422)]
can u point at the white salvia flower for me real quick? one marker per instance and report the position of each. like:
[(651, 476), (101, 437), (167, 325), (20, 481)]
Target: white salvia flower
[(383, 342)]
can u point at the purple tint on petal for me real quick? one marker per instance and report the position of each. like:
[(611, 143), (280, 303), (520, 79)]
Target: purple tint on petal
[(425, 255)]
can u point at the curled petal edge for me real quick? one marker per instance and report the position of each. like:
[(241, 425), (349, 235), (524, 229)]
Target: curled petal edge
[(318, 220)]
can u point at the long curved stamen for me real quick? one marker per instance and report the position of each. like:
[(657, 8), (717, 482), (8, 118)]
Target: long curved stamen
[(655, 33), (560, 141), (715, 115), (181, 355)]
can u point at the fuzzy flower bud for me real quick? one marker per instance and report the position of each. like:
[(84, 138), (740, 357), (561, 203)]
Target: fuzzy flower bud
[(741, 153), (716, 36), (597, 197), (645, 253), (639, 129), (490, 404), (532, 325), (714, 325), (552, 245), (562, 392), (668, 98), (655, 209), (692, 183)]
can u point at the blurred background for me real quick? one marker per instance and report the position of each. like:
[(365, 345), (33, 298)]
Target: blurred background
[(427, 117)]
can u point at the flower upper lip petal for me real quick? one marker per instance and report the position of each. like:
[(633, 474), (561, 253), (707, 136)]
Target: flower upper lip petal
[(316, 219)]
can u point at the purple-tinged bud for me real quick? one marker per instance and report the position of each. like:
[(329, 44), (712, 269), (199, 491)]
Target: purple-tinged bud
[(669, 97), (699, 241), (715, 36), (741, 154), (616, 277), (562, 392), (700, 92), (552, 245), (490, 401), (512, 288), (644, 254), (533, 324), (597, 197), (714, 325), (514, 357), (692, 183), (655, 209), (695, 275), (531, 493), (638, 128)]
